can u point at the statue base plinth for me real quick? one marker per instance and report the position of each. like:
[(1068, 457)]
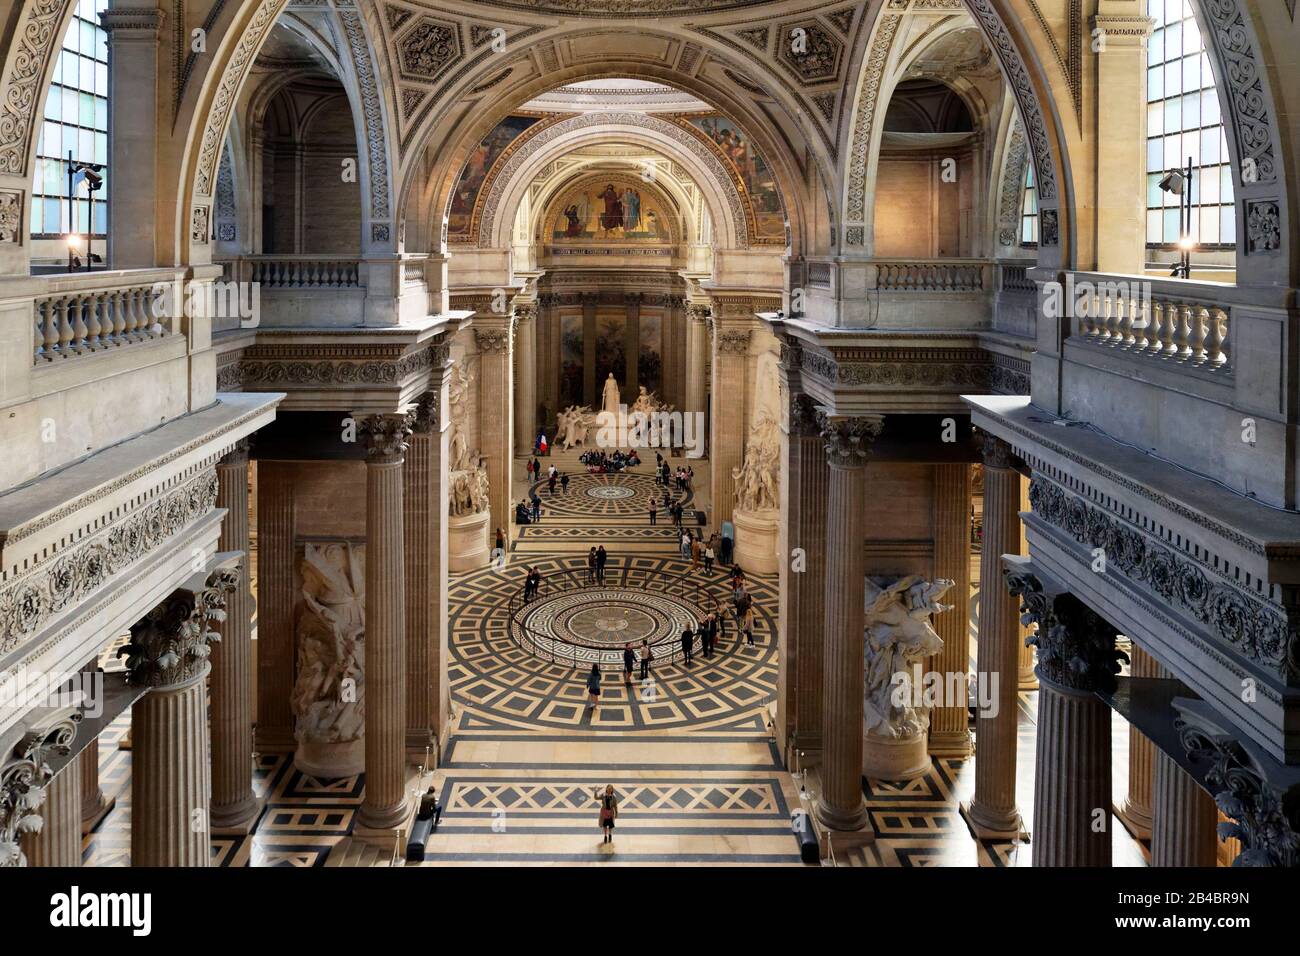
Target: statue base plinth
[(330, 760), (756, 539), (894, 758), (467, 542)]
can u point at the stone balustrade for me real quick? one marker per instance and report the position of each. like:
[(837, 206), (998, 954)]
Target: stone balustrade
[(1170, 321), (297, 272), (82, 314), (932, 275)]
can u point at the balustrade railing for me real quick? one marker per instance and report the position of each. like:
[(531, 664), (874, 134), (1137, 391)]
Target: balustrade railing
[(1175, 322), (75, 322), (931, 275), (296, 272)]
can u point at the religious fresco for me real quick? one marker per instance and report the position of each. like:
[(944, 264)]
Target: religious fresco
[(571, 358), (614, 210), (649, 365), (476, 169), (756, 176)]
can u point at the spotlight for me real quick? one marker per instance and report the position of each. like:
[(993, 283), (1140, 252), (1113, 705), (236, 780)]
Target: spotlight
[(1173, 182)]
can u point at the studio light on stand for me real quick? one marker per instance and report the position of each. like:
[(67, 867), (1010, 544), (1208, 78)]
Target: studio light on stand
[(1178, 182)]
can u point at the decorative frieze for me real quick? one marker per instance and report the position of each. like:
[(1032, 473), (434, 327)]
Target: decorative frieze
[(267, 366), (1076, 645), (1254, 627), (11, 216), (952, 369)]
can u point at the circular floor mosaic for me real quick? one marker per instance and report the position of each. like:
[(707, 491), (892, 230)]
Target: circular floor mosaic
[(608, 492), (591, 625), (498, 684), (594, 497)]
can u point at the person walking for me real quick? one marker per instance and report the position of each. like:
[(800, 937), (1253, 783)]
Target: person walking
[(708, 634), (608, 811), (500, 545), (591, 566), (708, 557), (528, 469), (601, 558), (629, 660), (747, 625), (537, 508), (695, 553), (551, 483), (686, 544), (564, 483), (593, 687), (654, 511), (647, 656), (688, 638)]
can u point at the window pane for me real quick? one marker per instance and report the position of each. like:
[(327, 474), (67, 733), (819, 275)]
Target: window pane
[(1209, 226), (51, 140), (1171, 225), (1155, 83), (85, 145), (51, 219), (1173, 77), (101, 114), (101, 148), (1156, 47), (1228, 224), (1225, 184), (1209, 186), (1191, 110), (1153, 225), (1155, 154), (1174, 39), (1192, 73), (1210, 107), (101, 79)]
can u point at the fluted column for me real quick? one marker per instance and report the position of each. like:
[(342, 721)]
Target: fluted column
[(804, 486), (59, 841), (697, 356), (1136, 809), (949, 730), (1028, 680), (727, 445), (384, 804), (847, 443), (1076, 659), (170, 776), (1183, 818), (494, 336), (234, 805), (525, 379), (992, 813), (275, 600), (94, 804)]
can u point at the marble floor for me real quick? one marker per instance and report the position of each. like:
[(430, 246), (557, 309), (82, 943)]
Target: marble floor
[(689, 751)]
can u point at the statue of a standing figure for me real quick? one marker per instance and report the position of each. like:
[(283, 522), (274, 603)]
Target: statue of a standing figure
[(611, 398)]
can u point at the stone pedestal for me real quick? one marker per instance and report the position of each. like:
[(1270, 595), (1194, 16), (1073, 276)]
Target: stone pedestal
[(384, 803), (848, 441), (901, 758), (467, 542), (59, 841), (1183, 818), (756, 537), (992, 813)]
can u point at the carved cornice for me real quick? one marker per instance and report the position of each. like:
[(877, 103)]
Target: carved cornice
[(1076, 646), (169, 647), (384, 437), (1261, 631), (848, 440), (238, 455), (281, 366), (147, 23), (24, 773), (892, 368)]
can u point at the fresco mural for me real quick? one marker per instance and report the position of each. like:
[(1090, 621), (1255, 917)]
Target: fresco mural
[(612, 211), (475, 172), (571, 357), (650, 366), (758, 178)]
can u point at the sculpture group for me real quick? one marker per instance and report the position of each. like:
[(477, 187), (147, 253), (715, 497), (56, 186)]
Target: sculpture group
[(757, 479), (467, 479)]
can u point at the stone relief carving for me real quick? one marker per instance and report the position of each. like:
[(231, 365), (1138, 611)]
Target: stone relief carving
[(262, 366), (757, 479), (1263, 227), (809, 51), (24, 774), (328, 698), (1076, 646), (899, 636), (11, 217), (428, 49), (467, 479), (1241, 73), (574, 425), (1048, 228), (1012, 187), (35, 39), (200, 229), (372, 112)]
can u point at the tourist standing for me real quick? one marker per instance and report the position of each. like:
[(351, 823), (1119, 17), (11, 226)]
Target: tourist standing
[(646, 657), (652, 505), (591, 566), (708, 557), (601, 558), (688, 638), (593, 687), (695, 552), (608, 811), (629, 660), (686, 544), (564, 483)]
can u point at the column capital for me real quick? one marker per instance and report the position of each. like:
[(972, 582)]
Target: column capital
[(525, 312), (1124, 30), (384, 437), (133, 23), (1076, 645), (848, 440), (24, 774), (733, 341), (170, 646), (237, 455), (996, 452), (697, 313), (804, 421), (424, 418), (492, 340)]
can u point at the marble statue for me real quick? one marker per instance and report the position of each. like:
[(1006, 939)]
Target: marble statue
[(758, 478), (899, 636), (328, 699), (649, 405), (467, 480), (573, 426), (467, 490), (611, 398)]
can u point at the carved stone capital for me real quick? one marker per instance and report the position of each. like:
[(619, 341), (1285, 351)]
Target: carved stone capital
[(170, 645), (133, 23), (848, 440), (384, 437), (804, 421), (492, 340), (1076, 645), (525, 313), (24, 774), (733, 341), (697, 313), (996, 452), (424, 418), (237, 455)]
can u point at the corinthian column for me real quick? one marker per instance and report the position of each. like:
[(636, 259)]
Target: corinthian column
[(493, 334), (949, 730), (525, 379), (1136, 810), (847, 442), (59, 841), (697, 356), (384, 805), (804, 488), (992, 813), (275, 600), (1028, 680), (1076, 659), (234, 805), (727, 446), (170, 779), (1183, 820)]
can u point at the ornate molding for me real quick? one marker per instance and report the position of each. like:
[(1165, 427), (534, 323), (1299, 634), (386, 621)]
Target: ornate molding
[(372, 111), (385, 437), (1259, 630), (995, 452), (1012, 186), (170, 646), (24, 773), (266, 366), (860, 152), (35, 39), (939, 369), (848, 440), (1076, 646), (492, 340), (805, 416), (1240, 76)]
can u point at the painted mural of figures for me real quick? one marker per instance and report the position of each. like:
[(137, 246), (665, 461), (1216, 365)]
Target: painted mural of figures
[(612, 217), (575, 222), (899, 635), (631, 210), (328, 699), (653, 226)]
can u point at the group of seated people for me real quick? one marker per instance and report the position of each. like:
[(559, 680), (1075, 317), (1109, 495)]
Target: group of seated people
[(601, 462)]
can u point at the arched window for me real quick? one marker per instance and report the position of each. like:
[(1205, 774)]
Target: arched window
[(1183, 121), (1029, 209), (76, 121)]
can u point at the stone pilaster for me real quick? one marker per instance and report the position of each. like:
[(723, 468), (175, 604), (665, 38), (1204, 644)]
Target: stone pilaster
[(727, 443), (494, 337), (697, 356), (1028, 679), (170, 770), (1183, 818), (590, 387), (1135, 812), (525, 379), (59, 841), (234, 805), (800, 611), (275, 601), (949, 722), (847, 442), (992, 813), (1076, 659), (384, 805)]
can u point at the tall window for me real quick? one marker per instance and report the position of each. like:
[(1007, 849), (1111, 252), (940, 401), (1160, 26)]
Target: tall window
[(1183, 120), (1029, 209), (76, 120)]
